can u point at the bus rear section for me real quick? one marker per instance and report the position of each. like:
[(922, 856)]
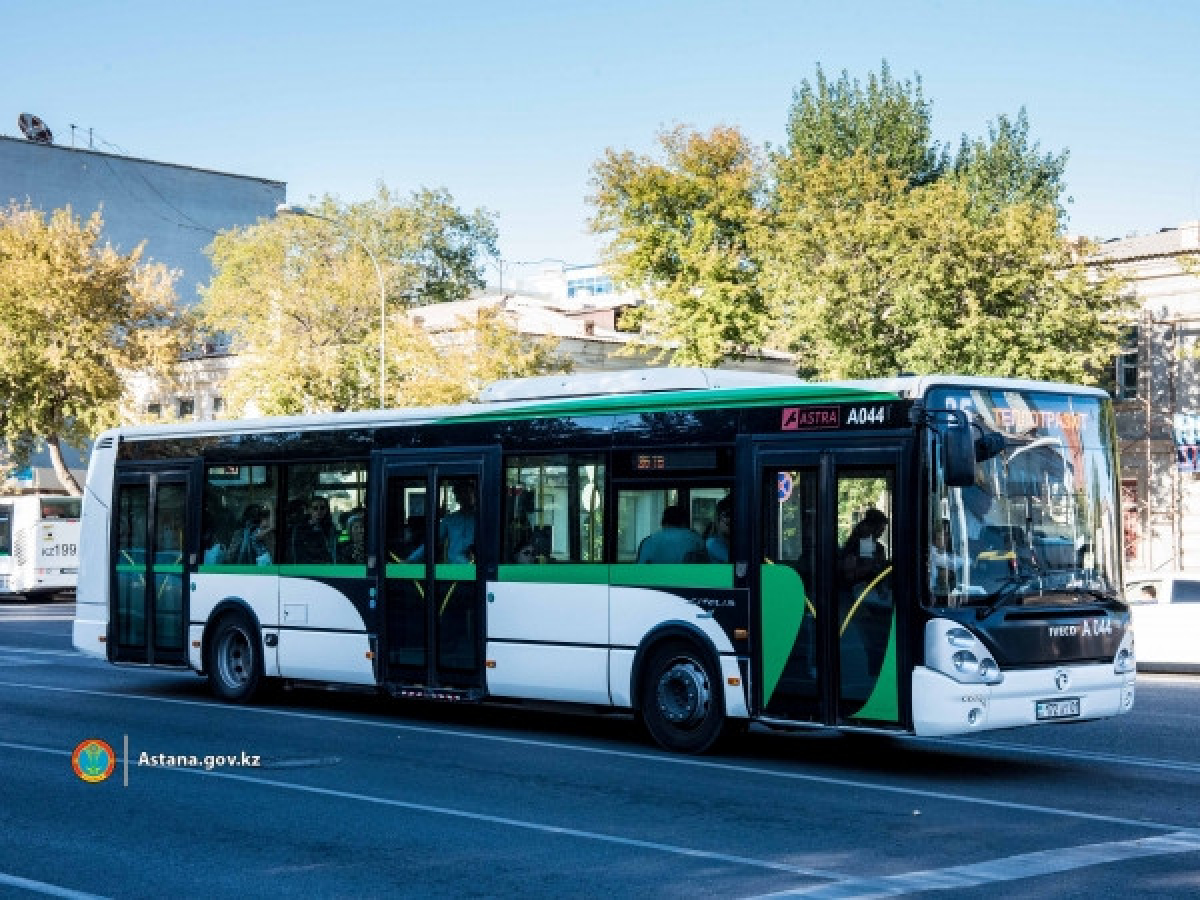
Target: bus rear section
[(39, 544)]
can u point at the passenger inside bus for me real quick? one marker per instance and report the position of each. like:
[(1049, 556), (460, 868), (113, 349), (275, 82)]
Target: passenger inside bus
[(314, 539), (252, 540), (717, 544), (354, 549), (864, 597), (456, 530), (675, 542)]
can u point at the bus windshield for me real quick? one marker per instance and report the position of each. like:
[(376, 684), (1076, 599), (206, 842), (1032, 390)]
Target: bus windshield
[(1039, 525), (60, 507)]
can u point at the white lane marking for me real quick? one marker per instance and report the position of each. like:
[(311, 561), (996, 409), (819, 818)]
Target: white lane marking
[(663, 758), (506, 821), (994, 871), (1063, 753), (41, 887), (74, 654)]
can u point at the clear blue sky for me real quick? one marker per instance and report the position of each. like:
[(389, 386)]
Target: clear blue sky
[(508, 104)]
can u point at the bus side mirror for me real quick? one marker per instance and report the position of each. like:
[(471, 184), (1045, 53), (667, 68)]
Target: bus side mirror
[(958, 447)]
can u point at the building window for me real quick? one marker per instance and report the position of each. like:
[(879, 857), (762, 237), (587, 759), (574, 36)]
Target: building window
[(185, 407), (590, 287), (154, 409), (1131, 520), (1127, 366), (218, 405)]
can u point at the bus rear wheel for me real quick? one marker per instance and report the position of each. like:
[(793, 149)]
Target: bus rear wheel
[(681, 701), (234, 664)]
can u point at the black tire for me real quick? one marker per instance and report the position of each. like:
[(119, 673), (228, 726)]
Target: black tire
[(235, 663), (683, 705)]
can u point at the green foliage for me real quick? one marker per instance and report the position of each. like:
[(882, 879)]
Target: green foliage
[(76, 318), (886, 119), (874, 280), (682, 227), (1007, 169), (300, 298), (859, 246)]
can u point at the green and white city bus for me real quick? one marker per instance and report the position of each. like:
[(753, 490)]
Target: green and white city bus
[(934, 555)]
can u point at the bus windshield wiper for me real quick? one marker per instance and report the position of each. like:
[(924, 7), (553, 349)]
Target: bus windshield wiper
[(1006, 593)]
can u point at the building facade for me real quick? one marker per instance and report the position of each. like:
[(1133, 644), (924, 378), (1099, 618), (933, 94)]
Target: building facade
[(1157, 391), (174, 210)]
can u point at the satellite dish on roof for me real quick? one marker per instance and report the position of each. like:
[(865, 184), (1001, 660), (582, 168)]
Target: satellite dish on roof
[(35, 129)]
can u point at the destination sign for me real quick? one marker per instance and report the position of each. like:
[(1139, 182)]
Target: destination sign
[(1029, 413)]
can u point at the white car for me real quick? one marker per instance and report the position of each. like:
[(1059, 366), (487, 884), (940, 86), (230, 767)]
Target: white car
[(1166, 622)]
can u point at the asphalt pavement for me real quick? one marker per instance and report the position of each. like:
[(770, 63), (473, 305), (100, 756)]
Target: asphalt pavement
[(327, 794)]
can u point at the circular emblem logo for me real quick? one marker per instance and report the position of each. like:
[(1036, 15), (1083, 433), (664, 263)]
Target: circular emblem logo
[(1062, 680), (93, 760)]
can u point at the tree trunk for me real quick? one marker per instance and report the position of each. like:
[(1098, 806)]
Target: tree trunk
[(60, 467)]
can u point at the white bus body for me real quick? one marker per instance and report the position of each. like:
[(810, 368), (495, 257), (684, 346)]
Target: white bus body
[(39, 544)]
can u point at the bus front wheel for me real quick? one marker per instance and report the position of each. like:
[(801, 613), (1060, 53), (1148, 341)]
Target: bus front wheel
[(235, 665), (681, 701)]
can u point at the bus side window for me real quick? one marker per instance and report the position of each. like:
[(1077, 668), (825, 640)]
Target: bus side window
[(323, 500), (229, 491), (669, 525), (553, 508)]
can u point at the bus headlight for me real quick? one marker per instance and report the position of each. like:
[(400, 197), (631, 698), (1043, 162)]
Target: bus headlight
[(956, 652), (1125, 661)]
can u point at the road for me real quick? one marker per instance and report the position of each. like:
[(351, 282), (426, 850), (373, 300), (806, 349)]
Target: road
[(359, 796)]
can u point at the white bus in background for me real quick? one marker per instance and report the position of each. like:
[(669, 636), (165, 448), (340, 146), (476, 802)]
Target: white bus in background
[(39, 544)]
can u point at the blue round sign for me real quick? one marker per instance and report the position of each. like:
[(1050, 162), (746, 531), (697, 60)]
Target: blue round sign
[(785, 486)]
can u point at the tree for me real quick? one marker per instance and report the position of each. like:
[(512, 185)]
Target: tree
[(76, 317), (680, 229), (1007, 169), (301, 301), (859, 246), (887, 120), (874, 279), (454, 366)]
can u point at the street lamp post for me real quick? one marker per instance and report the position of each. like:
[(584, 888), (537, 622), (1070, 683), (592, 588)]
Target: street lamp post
[(288, 209)]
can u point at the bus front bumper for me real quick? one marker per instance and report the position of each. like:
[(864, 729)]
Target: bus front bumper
[(1067, 693)]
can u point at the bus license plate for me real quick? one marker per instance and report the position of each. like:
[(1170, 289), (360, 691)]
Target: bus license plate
[(1058, 709)]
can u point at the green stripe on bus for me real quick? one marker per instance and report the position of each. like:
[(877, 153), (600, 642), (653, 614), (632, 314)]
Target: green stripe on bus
[(556, 573), (699, 575), (783, 601), (324, 570), (405, 570), (441, 572), (884, 703), (228, 569), (163, 569), (733, 398)]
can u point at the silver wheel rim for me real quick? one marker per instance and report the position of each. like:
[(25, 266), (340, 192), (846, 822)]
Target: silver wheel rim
[(235, 658), (684, 694)]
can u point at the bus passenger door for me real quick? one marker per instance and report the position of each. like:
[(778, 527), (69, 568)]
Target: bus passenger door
[(148, 612), (827, 614), (437, 531)]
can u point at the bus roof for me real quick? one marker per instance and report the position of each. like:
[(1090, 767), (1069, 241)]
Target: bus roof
[(916, 386), (665, 395), (610, 393)]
